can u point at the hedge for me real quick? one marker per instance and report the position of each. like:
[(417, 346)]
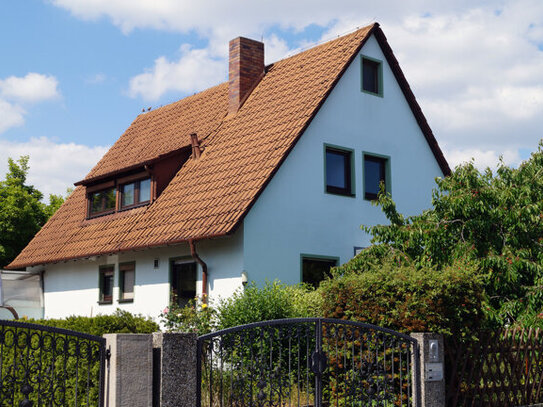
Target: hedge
[(404, 298)]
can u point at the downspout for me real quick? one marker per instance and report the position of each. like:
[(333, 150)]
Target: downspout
[(204, 269)]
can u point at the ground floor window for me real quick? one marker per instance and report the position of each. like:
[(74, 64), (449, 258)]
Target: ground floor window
[(106, 284), (183, 282), (127, 279), (316, 268)]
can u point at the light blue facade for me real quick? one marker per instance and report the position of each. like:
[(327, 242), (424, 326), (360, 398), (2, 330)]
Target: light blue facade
[(294, 215)]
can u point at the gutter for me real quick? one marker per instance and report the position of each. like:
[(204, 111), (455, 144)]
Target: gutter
[(204, 269)]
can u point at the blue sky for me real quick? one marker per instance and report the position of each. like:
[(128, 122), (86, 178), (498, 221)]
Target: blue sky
[(75, 73)]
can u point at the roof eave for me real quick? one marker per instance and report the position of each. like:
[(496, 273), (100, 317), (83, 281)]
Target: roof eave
[(158, 244)]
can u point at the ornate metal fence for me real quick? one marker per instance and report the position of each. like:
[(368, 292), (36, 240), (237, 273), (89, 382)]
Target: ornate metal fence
[(45, 366), (496, 368), (308, 362)]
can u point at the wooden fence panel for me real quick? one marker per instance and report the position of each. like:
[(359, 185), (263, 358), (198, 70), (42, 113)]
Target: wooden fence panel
[(499, 368)]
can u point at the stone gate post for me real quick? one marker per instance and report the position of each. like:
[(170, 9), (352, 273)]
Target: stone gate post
[(130, 381), (175, 369), (432, 371)]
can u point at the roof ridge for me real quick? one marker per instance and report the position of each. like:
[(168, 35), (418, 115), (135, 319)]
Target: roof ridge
[(328, 41)]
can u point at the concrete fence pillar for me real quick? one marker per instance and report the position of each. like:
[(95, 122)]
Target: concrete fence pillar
[(175, 369), (432, 369), (130, 381)]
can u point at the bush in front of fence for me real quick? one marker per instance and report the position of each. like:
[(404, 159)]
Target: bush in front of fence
[(272, 301), (119, 322), (250, 304), (395, 294), (198, 316)]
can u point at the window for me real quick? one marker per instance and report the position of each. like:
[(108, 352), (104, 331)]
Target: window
[(316, 268), (127, 278), (183, 281), (376, 170), (358, 250), (372, 73), (135, 193), (102, 202), (338, 171), (106, 284), (123, 193)]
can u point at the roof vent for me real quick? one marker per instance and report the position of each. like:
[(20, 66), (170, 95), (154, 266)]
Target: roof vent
[(196, 150), (245, 69)]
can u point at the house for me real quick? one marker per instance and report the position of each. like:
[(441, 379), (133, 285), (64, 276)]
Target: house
[(268, 176)]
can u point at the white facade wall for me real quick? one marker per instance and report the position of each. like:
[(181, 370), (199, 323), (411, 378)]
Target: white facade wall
[(295, 216), (71, 288)]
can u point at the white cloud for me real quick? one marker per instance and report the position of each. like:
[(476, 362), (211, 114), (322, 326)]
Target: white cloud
[(10, 115), (194, 71), (482, 158), (15, 92), (53, 166), (475, 67), (33, 87), (275, 49)]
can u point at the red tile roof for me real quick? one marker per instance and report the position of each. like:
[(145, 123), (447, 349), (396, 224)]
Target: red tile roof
[(209, 196)]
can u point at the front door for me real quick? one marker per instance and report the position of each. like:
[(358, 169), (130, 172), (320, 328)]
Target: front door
[(183, 282)]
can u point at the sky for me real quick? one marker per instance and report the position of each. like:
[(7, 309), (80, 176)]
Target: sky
[(75, 73)]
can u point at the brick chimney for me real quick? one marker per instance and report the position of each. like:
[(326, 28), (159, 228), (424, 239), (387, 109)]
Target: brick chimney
[(246, 68)]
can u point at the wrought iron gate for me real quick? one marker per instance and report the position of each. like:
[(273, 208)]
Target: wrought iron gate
[(45, 366), (308, 362)]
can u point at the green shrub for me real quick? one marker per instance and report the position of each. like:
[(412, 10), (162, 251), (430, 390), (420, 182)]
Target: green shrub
[(119, 322), (397, 295), (273, 301), (197, 317)]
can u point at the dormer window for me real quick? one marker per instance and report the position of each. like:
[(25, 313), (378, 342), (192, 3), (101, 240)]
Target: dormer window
[(102, 202), (119, 194), (135, 193)]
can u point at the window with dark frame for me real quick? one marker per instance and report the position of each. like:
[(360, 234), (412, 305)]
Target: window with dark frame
[(124, 196), (314, 270), (135, 193), (102, 202), (338, 171), (371, 76), (127, 279), (183, 282), (374, 174), (106, 284)]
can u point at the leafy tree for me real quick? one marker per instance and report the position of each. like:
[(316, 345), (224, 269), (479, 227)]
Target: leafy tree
[(22, 213), (493, 219)]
